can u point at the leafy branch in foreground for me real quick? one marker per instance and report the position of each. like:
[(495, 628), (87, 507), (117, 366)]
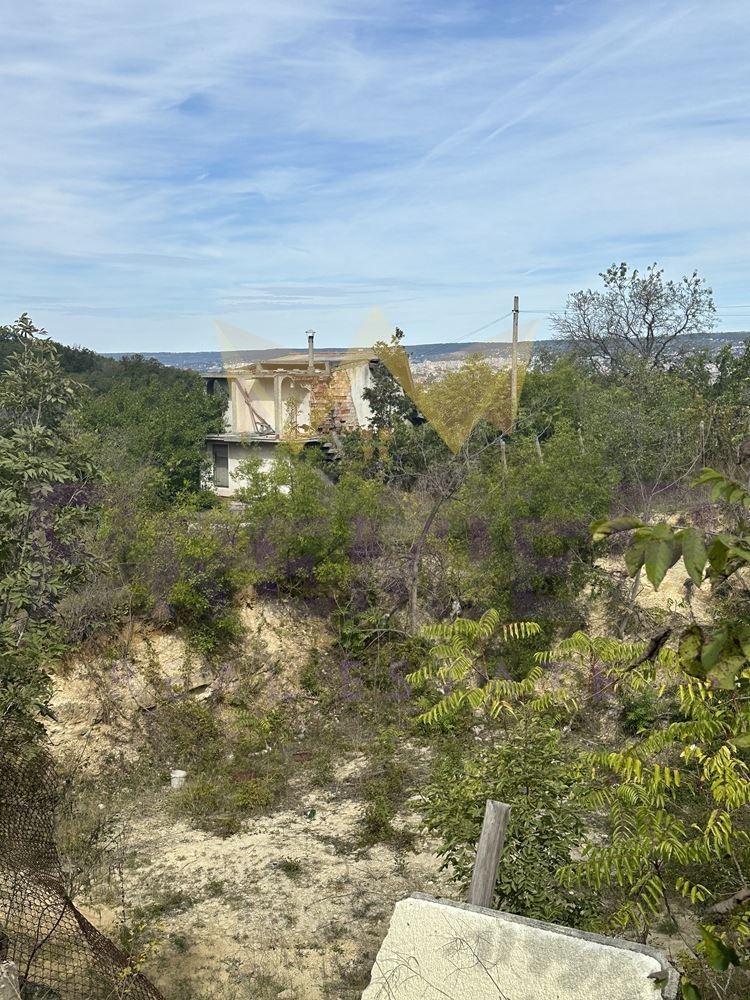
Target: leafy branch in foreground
[(46, 497), (657, 547), (675, 803), (677, 800), (720, 655)]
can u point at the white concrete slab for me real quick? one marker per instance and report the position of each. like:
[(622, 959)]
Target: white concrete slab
[(437, 949)]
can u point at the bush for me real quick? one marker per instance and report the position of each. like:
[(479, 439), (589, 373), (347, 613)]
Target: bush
[(186, 569), (639, 711), (529, 770), (183, 733), (236, 768), (220, 800)]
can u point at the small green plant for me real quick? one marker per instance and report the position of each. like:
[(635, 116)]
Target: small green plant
[(310, 679), (219, 801), (384, 788), (180, 942), (138, 938), (291, 867), (164, 904), (259, 733), (255, 794), (185, 732), (639, 712), (322, 768)]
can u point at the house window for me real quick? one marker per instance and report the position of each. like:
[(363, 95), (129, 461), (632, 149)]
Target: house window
[(221, 465)]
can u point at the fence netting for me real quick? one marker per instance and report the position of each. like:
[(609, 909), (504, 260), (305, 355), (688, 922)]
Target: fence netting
[(59, 954)]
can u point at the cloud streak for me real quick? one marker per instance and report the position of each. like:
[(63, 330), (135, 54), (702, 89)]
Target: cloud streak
[(167, 164)]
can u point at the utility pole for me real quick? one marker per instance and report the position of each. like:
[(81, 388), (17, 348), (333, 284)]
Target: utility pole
[(514, 364)]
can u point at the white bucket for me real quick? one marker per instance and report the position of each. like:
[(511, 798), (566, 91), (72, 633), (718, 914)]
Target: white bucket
[(177, 778)]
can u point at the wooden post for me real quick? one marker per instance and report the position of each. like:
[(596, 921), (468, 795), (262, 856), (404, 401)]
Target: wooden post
[(514, 365), (538, 449), (489, 849), (503, 455)]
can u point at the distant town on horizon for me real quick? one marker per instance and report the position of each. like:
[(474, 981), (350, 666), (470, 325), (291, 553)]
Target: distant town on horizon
[(204, 361)]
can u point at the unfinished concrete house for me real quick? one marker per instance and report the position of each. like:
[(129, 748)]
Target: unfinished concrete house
[(294, 397)]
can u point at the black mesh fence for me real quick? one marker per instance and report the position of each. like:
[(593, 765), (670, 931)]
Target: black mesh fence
[(59, 954)]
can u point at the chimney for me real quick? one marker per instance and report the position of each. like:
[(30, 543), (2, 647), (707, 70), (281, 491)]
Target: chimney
[(310, 351)]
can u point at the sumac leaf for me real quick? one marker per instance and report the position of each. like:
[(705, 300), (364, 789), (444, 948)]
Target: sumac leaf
[(717, 555), (715, 647), (690, 648), (690, 992), (719, 954), (724, 674), (634, 556)]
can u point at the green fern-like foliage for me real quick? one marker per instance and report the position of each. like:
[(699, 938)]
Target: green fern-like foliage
[(676, 799), (586, 650), (460, 668)]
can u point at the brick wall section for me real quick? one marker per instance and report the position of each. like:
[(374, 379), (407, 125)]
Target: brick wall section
[(334, 398)]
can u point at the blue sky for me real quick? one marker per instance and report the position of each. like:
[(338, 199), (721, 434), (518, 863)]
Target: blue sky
[(291, 165)]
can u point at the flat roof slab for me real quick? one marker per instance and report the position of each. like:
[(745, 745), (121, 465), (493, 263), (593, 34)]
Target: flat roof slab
[(436, 948)]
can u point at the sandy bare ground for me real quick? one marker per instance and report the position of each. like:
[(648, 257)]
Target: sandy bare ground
[(290, 907), (233, 918)]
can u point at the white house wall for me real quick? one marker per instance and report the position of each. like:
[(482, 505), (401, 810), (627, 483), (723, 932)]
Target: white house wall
[(295, 390), (238, 453), (262, 397), (360, 378)]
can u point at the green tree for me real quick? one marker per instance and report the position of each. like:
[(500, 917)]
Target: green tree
[(305, 531), (147, 419), (47, 498), (519, 527), (388, 403), (519, 759), (184, 568), (723, 380)]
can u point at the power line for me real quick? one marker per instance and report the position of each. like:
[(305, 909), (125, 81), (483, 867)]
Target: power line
[(486, 326), (547, 312)]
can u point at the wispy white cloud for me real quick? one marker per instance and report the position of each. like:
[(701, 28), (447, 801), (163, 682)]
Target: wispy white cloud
[(166, 164)]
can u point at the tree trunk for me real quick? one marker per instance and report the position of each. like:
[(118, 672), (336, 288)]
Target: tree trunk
[(415, 561)]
